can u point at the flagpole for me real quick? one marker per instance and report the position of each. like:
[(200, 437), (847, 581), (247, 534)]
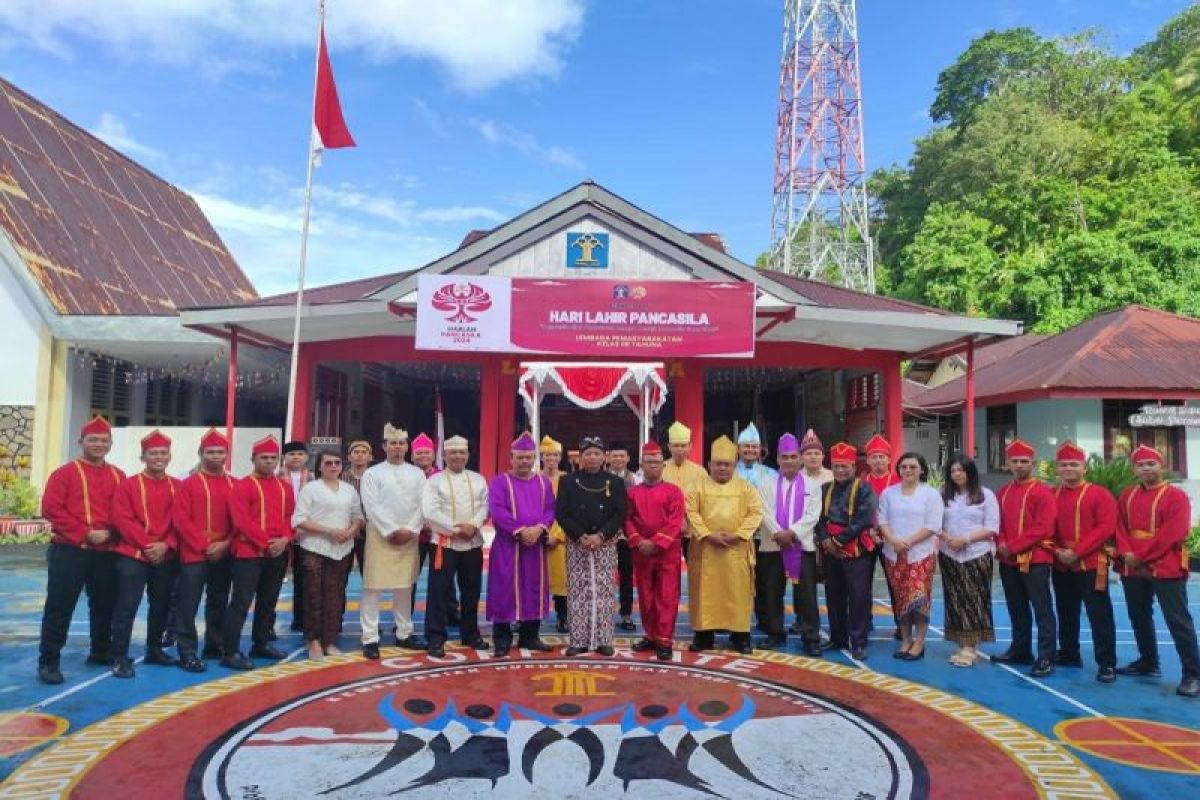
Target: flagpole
[(308, 187)]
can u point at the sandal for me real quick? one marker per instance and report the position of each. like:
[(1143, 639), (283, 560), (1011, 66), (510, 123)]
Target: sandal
[(962, 660)]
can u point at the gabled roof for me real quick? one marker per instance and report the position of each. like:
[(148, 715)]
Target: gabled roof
[(97, 233), (1130, 350)]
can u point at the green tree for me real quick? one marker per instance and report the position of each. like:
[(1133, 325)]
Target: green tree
[(988, 66)]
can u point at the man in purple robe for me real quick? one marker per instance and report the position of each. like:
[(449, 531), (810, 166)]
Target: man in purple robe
[(521, 504)]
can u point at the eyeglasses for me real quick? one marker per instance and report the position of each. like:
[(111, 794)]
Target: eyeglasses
[(334, 461)]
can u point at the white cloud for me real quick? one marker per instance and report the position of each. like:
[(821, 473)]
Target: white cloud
[(112, 131), (480, 43), (433, 119), (524, 142)]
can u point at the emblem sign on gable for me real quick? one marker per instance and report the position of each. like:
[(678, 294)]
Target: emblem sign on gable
[(587, 250)]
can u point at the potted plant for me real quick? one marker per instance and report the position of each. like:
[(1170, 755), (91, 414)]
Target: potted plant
[(18, 502), (1192, 547)]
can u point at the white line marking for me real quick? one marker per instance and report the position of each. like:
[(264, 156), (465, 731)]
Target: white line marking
[(89, 682), (857, 663), (292, 655)]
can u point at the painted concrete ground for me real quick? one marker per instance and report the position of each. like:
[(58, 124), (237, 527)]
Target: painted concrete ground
[(770, 725)]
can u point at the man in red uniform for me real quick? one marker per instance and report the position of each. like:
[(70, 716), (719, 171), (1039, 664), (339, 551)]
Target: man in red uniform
[(654, 530), (146, 554), (203, 527), (1085, 527), (77, 502), (880, 476), (261, 505), (1152, 524), (1025, 549)]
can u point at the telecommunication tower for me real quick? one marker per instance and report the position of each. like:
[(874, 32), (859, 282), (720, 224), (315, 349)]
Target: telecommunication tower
[(819, 220)]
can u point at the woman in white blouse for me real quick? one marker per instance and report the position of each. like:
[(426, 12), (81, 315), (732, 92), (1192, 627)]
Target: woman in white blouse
[(910, 517), (327, 520), (968, 528)]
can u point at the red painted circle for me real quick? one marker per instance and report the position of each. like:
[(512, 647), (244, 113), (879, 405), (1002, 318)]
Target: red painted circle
[(25, 729), (1135, 742)]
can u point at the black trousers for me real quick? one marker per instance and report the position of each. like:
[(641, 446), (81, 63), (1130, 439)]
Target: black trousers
[(804, 601), (1024, 591), (625, 578), (1140, 594), (427, 549), (213, 580), (258, 581), (136, 579), (769, 585), (68, 571), (848, 597), (1076, 590), (465, 566), (527, 633)]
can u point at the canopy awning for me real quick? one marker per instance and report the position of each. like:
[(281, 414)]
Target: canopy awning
[(643, 387)]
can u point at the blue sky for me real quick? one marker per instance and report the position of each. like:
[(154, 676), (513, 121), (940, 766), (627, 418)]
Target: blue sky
[(467, 112)]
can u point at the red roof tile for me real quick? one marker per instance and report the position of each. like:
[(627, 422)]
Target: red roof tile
[(1131, 349), (99, 233), (828, 296), (346, 292)]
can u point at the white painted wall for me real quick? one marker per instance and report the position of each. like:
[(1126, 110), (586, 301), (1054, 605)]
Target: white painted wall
[(628, 258), (19, 351), (185, 442)]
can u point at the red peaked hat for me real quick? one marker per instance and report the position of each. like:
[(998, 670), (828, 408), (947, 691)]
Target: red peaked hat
[(651, 448), (155, 438), (878, 444), (1146, 453), (97, 425), (1019, 448), (213, 438), (843, 452), (1069, 451), (266, 445)]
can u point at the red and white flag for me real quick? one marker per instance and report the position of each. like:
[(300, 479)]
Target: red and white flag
[(329, 125)]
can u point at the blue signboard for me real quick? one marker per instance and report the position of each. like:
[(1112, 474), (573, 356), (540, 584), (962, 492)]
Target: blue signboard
[(587, 250)]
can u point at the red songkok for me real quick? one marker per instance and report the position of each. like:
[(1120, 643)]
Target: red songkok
[(1146, 453), (878, 444), (155, 438), (268, 445), (843, 453), (1019, 448), (97, 426), (651, 448), (1069, 451), (213, 438)]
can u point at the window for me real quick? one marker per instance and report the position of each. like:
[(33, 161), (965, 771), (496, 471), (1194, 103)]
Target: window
[(111, 389), (1120, 438), (1001, 428), (168, 402)]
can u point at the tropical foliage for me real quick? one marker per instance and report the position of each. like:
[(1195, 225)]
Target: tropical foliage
[(1061, 180)]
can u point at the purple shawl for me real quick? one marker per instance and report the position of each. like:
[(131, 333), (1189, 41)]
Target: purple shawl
[(792, 556)]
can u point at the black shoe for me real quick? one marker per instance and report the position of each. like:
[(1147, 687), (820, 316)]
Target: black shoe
[(192, 664), (561, 625), (159, 657), (813, 650), (664, 653), (99, 660), (771, 642), (535, 646), (267, 651), (897, 635), (1043, 668), (1106, 674), (272, 636), (744, 646), (829, 644), (237, 661), (437, 650), (606, 650), (412, 642), (502, 649), (700, 647), (571, 652), (1065, 659), (905, 656), (626, 624), (478, 643), (1013, 658), (371, 651), (644, 646), (50, 673), (1189, 687), (794, 629), (1140, 668), (860, 654), (211, 653), (122, 668), (168, 640)]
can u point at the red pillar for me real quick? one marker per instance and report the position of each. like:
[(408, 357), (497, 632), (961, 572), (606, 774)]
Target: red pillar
[(688, 384), (231, 394), (302, 418), (894, 416), (969, 403), (489, 399), (506, 410)]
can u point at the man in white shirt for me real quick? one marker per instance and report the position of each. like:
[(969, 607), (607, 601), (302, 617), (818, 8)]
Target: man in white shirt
[(791, 507), (391, 497), (455, 506)]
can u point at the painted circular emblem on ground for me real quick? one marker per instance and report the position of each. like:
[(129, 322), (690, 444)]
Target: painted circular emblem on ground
[(704, 726), (1135, 742), (22, 730)]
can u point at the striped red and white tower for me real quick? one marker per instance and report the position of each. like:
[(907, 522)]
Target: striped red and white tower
[(819, 224)]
